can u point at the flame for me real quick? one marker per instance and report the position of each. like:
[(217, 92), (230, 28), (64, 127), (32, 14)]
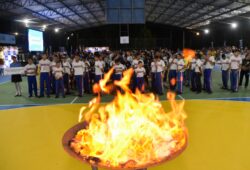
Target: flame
[(131, 131), (173, 81), (188, 54)]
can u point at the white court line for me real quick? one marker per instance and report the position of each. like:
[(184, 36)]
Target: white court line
[(74, 100), (181, 97), (226, 98)]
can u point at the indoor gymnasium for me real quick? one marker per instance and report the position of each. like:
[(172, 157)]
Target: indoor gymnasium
[(124, 84)]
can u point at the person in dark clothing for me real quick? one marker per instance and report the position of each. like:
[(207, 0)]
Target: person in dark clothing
[(245, 69)]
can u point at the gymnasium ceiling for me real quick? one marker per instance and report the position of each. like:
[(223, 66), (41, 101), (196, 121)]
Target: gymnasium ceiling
[(78, 14)]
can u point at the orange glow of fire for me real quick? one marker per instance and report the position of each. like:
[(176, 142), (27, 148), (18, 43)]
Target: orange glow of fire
[(173, 81), (132, 131), (188, 54)]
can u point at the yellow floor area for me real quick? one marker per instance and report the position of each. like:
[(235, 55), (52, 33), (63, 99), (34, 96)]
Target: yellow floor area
[(219, 137)]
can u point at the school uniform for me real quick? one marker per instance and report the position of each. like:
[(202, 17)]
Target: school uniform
[(153, 71), (135, 63), (78, 73), (140, 72), (86, 79), (98, 71), (66, 69), (192, 74), (52, 77), (198, 73), (118, 69), (172, 73), (235, 63), (208, 74), (160, 65), (224, 71), (30, 70), (165, 59), (44, 76), (16, 79), (245, 72), (180, 71), (59, 82)]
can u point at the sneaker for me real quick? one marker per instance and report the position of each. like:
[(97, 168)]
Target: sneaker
[(48, 96), (30, 96), (57, 97)]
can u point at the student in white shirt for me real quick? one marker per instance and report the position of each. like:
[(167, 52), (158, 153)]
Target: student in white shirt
[(44, 65), (52, 77), (86, 79), (135, 63), (153, 71), (58, 74), (140, 73), (160, 68), (78, 68), (192, 74), (99, 69), (198, 73), (235, 66), (180, 71), (225, 62), (172, 74), (66, 69), (30, 71), (209, 65), (118, 70)]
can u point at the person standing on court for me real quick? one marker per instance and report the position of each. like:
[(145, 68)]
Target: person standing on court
[(16, 78), (140, 73), (209, 65), (160, 68), (235, 66), (172, 72), (153, 71), (198, 73), (192, 73), (224, 71), (180, 73), (66, 76), (245, 70), (31, 71), (44, 65), (59, 84), (86, 79), (118, 70), (78, 69), (99, 68)]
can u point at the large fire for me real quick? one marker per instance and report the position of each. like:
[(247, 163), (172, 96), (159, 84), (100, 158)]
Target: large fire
[(132, 132)]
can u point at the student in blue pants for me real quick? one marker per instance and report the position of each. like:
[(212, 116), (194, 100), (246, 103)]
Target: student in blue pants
[(180, 74), (153, 71), (79, 68), (192, 74), (224, 71), (86, 78), (140, 73), (44, 65), (235, 66), (160, 68), (31, 71), (172, 74), (59, 83), (209, 65)]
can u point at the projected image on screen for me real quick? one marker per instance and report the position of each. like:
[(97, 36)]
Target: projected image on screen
[(35, 40)]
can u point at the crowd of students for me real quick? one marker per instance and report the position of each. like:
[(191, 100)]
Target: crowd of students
[(154, 70)]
